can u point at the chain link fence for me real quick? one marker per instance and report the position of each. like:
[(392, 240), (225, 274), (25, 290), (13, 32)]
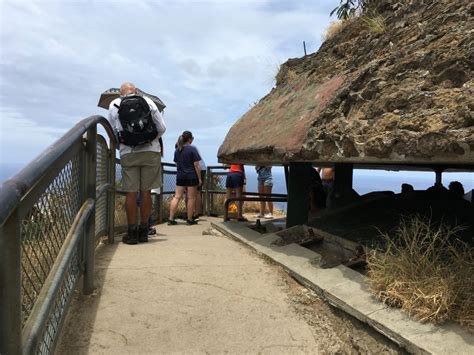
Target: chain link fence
[(120, 216), (213, 195), (101, 178), (215, 192), (44, 229), (52, 214)]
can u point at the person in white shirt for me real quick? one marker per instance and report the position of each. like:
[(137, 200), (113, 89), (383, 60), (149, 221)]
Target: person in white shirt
[(199, 206), (141, 166)]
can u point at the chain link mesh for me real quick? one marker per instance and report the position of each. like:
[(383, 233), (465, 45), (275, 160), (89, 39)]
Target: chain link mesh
[(118, 174), (217, 190), (120, 215), (169, 187), (44, 229), (155, 209), (216, 184), (54, 320), (101, 178)]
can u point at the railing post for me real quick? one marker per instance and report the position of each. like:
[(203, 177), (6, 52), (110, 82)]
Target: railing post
[(210, 195), (10, 290), (160, 206), (90, 186), (206, 193), (111, 193), (160, 196)]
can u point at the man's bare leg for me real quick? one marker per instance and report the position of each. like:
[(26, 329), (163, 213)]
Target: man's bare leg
[(131, 210), (131, 207), (145, 206)]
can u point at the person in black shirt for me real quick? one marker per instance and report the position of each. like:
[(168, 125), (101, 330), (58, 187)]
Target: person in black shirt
[(188, 176)]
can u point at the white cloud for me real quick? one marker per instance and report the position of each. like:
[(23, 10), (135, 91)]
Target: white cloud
[(22, 139), (207, 60)]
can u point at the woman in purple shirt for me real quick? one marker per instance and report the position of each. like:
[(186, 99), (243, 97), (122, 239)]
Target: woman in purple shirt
[(188, 176)]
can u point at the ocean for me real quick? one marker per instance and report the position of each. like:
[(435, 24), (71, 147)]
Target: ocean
[(374, 180), (364, 180)]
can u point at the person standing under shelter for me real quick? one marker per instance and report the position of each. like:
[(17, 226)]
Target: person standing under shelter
[(265, 185), (235, 183), (327, 178), (198, 210), (188, 177), (138, 126)]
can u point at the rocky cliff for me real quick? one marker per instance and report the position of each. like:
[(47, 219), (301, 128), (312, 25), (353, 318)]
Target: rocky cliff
[(400, 94)]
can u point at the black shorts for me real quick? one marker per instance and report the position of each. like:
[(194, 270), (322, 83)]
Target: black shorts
[(234, 180), (187, 182), (203, 179)]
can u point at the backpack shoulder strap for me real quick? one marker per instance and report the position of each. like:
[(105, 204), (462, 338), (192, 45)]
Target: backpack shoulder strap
[(118, 106)]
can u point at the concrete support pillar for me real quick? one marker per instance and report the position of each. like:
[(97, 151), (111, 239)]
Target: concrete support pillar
[(439, 176), (343, 178), (298, 194)]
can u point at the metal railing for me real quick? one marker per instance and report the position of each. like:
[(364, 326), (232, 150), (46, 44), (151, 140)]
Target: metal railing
[(213, 192), (52, 215)]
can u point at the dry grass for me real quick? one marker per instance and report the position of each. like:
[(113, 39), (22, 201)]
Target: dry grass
[(374, 23), (424, 270), (120, 214), (334, 28)]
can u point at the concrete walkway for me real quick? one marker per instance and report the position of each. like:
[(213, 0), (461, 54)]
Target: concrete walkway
[(184, 292), (348, 290)]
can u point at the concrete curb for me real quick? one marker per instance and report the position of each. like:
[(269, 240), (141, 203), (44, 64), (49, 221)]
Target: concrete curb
[(347, 290)]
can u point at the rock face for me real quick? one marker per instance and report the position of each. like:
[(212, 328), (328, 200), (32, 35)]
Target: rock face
[(402, 96)]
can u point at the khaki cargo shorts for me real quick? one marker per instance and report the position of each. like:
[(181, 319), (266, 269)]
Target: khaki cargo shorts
[(141, 171)]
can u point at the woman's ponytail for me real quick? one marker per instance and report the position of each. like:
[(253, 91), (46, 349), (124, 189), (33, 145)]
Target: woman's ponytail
[(186, 137)]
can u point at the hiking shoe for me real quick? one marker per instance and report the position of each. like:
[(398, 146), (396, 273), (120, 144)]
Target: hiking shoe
[(191, 222), (172, 222), (131, 237), (143, 234)]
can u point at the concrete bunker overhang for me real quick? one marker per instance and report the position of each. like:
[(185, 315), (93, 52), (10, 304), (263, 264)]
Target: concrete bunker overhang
[(402, 97)]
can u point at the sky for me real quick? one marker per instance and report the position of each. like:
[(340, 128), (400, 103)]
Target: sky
[(209, 61)]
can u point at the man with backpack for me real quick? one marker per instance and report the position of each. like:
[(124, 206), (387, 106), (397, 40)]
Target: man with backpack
[(139, 126)]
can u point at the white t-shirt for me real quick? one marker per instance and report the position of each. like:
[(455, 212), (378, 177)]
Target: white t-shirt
[(154, 146), (202, 164)]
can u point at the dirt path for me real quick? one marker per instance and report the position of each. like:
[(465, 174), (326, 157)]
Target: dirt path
[(335, 331), (185, 292)]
